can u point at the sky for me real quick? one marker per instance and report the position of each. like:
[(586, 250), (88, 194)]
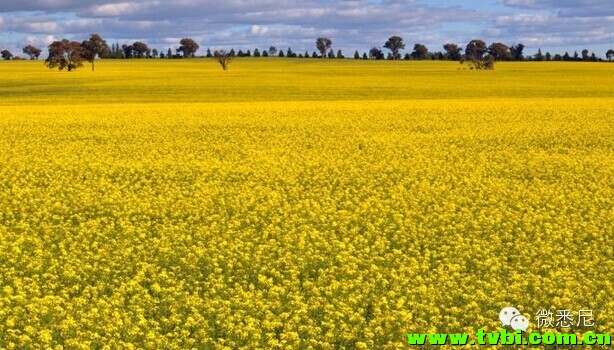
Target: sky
[(554, 26)]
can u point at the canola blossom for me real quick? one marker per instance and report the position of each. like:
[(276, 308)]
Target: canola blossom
[(298, 224)]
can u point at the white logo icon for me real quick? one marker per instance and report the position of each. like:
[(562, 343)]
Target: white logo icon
[(510, 316), (519, 322)]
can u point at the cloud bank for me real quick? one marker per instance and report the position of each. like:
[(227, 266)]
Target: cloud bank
[(352, 24)]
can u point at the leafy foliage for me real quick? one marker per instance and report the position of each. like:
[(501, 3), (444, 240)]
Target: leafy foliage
[(94, 47), (65, 55), (395, 44), (188, 47), (32, 51), (324, 46)]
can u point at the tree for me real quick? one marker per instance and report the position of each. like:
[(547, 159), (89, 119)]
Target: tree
[(340, 54), (516, 52), (323, 45), (485, 62), (281, 53), (539, 56), (119, 53), (127, 50), (475, 55), (376, 53), (94, 47), (453, 51), (116, 51), (265, 53), (548, 56), (566, 56), (65, 54), (223, 58), (576, 57), (6, 55), (395, 44), (331, 54), (356, 55), (140, 48), (155, 53), (32, 51), (500, 51), (610, 55), (188, 47), (475, 49), (272, 50), (585, 56), (364, 56), (208, 54), (593, 57), (256, 52), (169, 53), (420, 52)]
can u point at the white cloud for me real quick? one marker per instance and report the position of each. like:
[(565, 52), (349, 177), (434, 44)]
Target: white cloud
[(114, 10), (354, 24), (42, 27), (258, 30)]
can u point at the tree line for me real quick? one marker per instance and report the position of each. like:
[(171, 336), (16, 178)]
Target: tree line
[(69, 55)]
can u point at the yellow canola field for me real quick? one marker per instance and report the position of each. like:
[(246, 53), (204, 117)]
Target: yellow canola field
[(298, 224)]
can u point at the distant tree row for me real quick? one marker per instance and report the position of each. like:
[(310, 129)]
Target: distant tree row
[(65, 54)]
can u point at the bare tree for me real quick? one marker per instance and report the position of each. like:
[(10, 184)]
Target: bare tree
[(65, 55), (32, 51), (394, 44), (323, 45), (223, 58)]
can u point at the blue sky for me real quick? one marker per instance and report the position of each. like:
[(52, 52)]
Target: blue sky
[(552, 25)]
